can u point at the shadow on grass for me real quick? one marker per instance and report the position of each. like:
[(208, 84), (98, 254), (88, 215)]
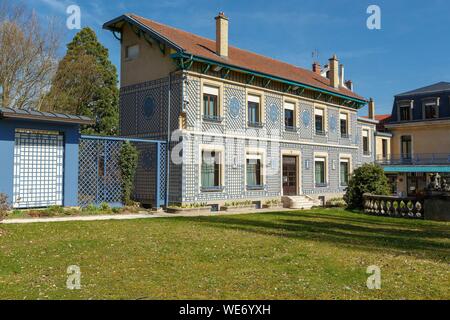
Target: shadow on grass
[(365, 233)]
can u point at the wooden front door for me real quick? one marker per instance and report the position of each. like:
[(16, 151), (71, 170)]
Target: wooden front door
[(290, 176)]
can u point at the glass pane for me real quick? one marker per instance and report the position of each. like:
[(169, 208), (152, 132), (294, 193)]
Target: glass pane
[(319, 123), (343, 126), (210, 170), (320, 172), (253, 172), (253, 112), (344, 173), (289, 118)]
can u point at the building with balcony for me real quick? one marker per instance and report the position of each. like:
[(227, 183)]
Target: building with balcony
[(419, 126), (241, 126)]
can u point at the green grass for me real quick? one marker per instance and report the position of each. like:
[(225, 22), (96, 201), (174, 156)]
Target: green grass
[(320, 254)]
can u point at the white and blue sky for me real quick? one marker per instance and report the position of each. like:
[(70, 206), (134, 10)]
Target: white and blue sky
[(410, 51)]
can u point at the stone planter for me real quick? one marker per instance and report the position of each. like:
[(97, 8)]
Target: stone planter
[(198, 210), (272, 206), (237, 208)]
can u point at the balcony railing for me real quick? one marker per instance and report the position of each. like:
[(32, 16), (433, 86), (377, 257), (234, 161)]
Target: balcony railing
[(415, 159)]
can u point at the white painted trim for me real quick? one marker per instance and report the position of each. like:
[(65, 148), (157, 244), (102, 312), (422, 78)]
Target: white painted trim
[(215, 84), (216, 148), (255, 151), (348, 158), (319, 155)]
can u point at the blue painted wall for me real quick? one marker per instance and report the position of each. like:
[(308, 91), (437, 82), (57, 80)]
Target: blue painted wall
[(71, 138)]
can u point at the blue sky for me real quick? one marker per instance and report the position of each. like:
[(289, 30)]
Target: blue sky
[(410, 51)]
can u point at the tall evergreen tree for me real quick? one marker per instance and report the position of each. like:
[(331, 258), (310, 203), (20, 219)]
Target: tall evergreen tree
[(86, 84)]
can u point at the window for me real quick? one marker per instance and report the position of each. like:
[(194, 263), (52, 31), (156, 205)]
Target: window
[(405, 113), (366, 145), (211, 103), (384, 147), (319, 121), (254, 171), (289, 115), (344, 125), (132, 52), (344, 170), (406, 147), (254, 110), (211, 170), (320, 173), (431, 110)]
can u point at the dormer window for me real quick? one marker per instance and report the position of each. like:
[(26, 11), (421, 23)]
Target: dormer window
[(430, 108), (404, 111)]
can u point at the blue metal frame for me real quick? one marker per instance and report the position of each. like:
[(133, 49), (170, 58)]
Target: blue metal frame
[(103, 189)]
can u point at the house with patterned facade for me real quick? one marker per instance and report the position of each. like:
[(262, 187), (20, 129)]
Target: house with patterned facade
[(419, 127), (241, 126)]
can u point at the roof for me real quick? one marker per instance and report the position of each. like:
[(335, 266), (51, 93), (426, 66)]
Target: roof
[(437, 87), (206, 48), (380, 117), (10, 113)]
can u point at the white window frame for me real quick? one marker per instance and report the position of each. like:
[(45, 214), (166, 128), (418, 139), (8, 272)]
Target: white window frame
[(290, 105), (369, 141), (405, 104), (318, 156), (262, 113), (216, 85), (345, 158), (212, 148), (430, 102), (253, 153)]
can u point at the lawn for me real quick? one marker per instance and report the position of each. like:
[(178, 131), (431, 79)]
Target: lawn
[(318, 254)]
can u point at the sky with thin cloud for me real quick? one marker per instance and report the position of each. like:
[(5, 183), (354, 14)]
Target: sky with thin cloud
[(410, 50)]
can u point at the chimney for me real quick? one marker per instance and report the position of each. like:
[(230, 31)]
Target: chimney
[(341, 75), (349, 85), (334, 72), (371, 109), (316, 68), (222, 35)]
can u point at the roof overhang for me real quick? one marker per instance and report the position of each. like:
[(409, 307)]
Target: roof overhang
[(417, 169), (367, 120), (184, 55), (383, 134), (16, 114)]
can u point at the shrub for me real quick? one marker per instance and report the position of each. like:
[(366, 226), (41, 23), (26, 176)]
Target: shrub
[(336, 202), (368, 178), (90, 208), (128, 162), (105, 207), (4, 206)]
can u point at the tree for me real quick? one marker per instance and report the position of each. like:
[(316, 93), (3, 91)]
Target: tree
[(27, 57), (86, 84), (369, 178)]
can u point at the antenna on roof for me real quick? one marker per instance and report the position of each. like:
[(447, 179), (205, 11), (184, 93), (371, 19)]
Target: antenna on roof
[(315, 55)]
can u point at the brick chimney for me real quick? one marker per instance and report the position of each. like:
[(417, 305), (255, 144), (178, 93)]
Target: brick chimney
[(316, 68), (349, 85), (334, 72), (222, 35), (371, 109)]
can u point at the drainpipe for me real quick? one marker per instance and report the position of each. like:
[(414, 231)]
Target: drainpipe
[(168, 141)]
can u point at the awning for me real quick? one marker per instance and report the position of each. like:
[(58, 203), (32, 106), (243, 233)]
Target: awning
[(422, 169)]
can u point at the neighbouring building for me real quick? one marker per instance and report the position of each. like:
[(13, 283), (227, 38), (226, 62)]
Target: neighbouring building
[(242, 126), (420, 143), (39, 157)]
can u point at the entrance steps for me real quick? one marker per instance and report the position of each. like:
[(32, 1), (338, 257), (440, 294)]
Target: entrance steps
[(298, 202)]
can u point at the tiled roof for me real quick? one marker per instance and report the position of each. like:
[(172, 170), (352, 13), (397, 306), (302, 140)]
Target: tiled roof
[(380, 117), (437, 87), (43, 116), (205, 48)]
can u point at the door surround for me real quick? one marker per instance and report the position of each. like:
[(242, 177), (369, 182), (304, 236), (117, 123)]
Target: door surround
[(297, 154)]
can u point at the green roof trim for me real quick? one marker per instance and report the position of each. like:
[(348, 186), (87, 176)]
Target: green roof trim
[(180, 55), (418, 169)]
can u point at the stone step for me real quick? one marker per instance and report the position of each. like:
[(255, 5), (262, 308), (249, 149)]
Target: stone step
[(298, 202)]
